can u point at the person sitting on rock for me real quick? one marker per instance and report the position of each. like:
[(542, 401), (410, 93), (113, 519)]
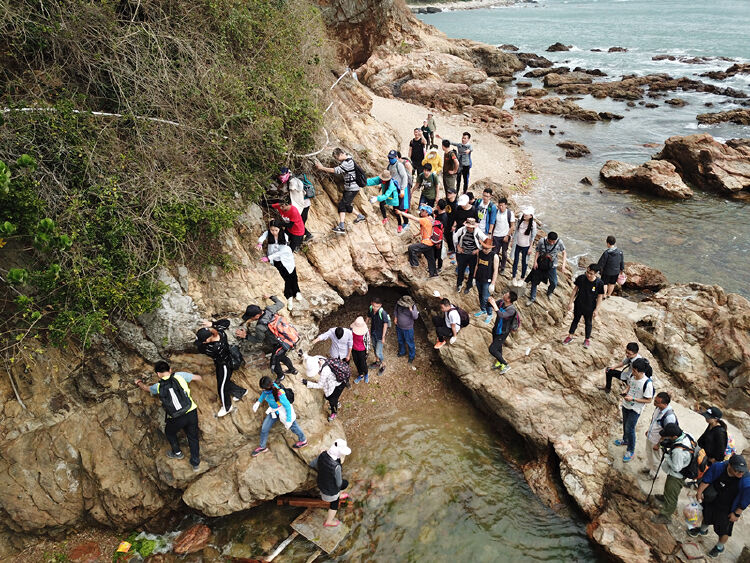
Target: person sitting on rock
[(281, 257), (345, 168), (341, 342), (180, 408), (663, 414), (639, 394), (279, 408), (714, 439), (425, 244), (330, 479), (280, 343), (585, 300), (730, 492), (467, 240), (544, 269), (360, 345), (612, 264), (211, 340), (623, 370), (678, 452), (447, 324), (504, 316)]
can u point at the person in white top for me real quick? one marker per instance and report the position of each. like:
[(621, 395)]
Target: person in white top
[(663, 415), (296, 195), (341, 342), (639, 394), (505, 224), (280, 255), (523, 239), (446, 325)]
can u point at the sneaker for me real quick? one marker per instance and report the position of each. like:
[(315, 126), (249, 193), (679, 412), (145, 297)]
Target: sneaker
[(439, 344), (385, 220), (332, 417), (292, 371), (308, 237), (628, 456), (399, 229), (223, 412), (453, 262), (619, 442), (498, 365), (374, 365), (381, 370), (279, 378), (467, 290), (367, 378), (568, 339), (301, 444), (359, 218), (339, 230), (240, 397), (172, 455), (530, 302), (458, 289), (479, 314), (586, 343), (488, 320), (697, 531), (298, 297), (715, 551), (504, 369), (258, 451), (359, 379), (196, 467), (290, 303)]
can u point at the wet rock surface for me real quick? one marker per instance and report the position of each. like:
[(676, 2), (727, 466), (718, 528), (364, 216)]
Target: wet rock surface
[(654, 176)]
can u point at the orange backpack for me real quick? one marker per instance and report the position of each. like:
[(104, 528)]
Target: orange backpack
[(285, 333)]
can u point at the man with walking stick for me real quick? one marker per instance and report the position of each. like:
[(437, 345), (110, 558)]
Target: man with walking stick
[(678, 453)]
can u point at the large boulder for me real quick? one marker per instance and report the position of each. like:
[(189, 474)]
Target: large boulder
[(709, 164), (641, 276), (573, 149), (555, 106), (438, 94), (655, 176), (553, 80), (557, 47), (738, 116)]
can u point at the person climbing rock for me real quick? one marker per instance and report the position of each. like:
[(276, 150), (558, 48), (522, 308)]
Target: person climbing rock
[(544, 269), (724, 493), (612, 264), (325, 369), (398, 170), (330, 479), (505, 315), (523, 238), (447, 324), (379, 323), (347, 169), (663, 414), (678, 452), (272, 329), (360, 344), (639, 394), (404, 315), (181, 412), (714, 438), (211, 340), (623, 370), (297, 195), (293, 224), (341, 342), (389, 195), (467, 240), (588, 291), (280, 256), (485, 274), (425, 244), (279, 408)]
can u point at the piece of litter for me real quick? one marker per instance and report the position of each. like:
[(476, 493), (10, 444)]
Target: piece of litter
[(436, 293), (528, 351)]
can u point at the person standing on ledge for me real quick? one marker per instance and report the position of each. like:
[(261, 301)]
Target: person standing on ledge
[(379, 323), (341, 342), (361, 343), (450, 166), (714, 439), (417, 150), (639, 394), (678, 452), (545, 264), (432, 126), (464, 160), (404, 315), (612, 264), (663, 415), (180, 408), (345, 168), (504, 321), (330, 479), (587, 295)]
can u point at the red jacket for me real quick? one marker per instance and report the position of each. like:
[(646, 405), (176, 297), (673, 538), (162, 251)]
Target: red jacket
[(297, 226)]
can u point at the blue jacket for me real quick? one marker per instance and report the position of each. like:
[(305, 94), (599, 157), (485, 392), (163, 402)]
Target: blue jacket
[(267, 396), (491, 214), (743, 496), (389, 193)]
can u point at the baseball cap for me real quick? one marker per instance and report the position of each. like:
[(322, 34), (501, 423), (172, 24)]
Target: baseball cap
[(738, 463), (463, 199), (250, 312), (712, 412), (671, 429), (425, 207), (393, 154), (202, 335), (451, 191)]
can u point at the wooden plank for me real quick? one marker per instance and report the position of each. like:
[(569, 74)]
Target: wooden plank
[(282, 545), (307, 502), (314, 556), (310, 525)]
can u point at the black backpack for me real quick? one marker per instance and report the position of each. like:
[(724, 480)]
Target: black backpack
[(359, 175), (698, 460), (237, 359), (463, 315), (545, 260), (288, 391), (174, 399)]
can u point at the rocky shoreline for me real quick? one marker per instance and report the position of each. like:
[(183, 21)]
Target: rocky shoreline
[(452, 5)]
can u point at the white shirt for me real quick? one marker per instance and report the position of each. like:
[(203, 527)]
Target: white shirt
[(297, 194), (522, 239), (453, 318), (482, 213), (659, 420), (635, 390), (280, 252), (502, 226)]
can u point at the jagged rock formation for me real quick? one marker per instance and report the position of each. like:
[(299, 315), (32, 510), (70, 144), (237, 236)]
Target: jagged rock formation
[(655, 176)]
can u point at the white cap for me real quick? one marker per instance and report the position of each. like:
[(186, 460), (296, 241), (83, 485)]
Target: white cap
[(528, 210), (339, 448), (463, 199)]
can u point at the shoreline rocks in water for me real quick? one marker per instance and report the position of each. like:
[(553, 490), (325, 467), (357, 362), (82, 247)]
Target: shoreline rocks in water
[(738, 116), (573, 149), (558, 47), (655, 176)]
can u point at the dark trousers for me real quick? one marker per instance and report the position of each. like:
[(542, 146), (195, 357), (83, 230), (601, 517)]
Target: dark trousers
[(629, 420), (588, 318), (295, 241), (279, 357), (443, 332), (429, 253), (189, 423), (522, 253), (427, 200), (304, 214), (333, 398), (291, 283), (463, 261), (360, 361), (226, 387), (501, 248), (611, 374), (463, 173), (496, 348), (438, 249), (448, 236), (398, 217)]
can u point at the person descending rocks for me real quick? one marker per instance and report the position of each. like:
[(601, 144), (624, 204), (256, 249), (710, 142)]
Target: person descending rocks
[(179, 407), (389, 189), (294, 226), (333, 378), (348, 169), (271, 329), (360, 344), (417, 150), (398, 170), (485, 275), (663, 414), (299, 197), (211, 340), (678, 453), (545, 264), (428, 183), (639, 394), (280, 256), (404, 315), (425, 243), (449, 323), (467, 241), (506, 320), (330, 479), (379, 323), (504, 231), (279, 408), (724, 493), (623, 370), (451, 166), (612, 264), (524, 236), (486, 213), (714, 439), (588, 291), (341, 342)]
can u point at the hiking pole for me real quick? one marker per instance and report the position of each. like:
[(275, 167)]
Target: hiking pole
[(651, 490)]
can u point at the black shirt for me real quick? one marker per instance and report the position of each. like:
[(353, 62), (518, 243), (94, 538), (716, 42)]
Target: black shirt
[(588, 293), (460, 215), (417, 151), (714, 441), (377, 320)]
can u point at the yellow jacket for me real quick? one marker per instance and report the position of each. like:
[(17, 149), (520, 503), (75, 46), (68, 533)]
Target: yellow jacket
[(435, 159)]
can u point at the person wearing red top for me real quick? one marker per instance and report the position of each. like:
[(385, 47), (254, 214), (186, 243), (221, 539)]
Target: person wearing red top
[(295, 226)]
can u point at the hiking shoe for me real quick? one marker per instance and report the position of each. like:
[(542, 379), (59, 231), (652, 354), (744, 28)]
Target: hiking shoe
[(697, 531), (628, 456), (504, 369), (172, 455), (292, 371), (308, 236), (240, 397), (298, 297), (359, 379), (586, 343), (458, 289), (498, 365), (488, 320), (301, 444), (279, 378), (374, 365), (467, 290), (568, 339), (385, 220), (339, 230), (439, 344), (619, 442), (223, 412), (332, 417), (661, 519), (479, 314), (531, 302), (715, 551), (196, 467), (381, 370), (399, 229), (359, 218), (257, 451)]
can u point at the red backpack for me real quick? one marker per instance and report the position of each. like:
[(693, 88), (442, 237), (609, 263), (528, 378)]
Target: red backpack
[(437, 233), (283, 331)]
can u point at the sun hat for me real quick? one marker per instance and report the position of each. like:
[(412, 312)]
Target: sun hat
[(385, 175), (359, 326), (406, 301), (471, 221), (712, 412), (463, 199)]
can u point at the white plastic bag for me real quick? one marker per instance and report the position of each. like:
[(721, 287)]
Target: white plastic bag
[(693, 513)]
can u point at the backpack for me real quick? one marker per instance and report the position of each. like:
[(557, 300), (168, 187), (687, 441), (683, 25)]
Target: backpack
[(515, 322), (359, 175), (698, 460), (288, 391), (463, 315), (646, 381), (174, 399), (545, 260), (437, 233), (285, 333), (307, 186), (340, 368), (237, 359)]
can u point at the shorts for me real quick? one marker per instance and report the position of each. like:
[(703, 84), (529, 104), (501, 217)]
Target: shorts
[(345, 205), (718, 515), (609, 280)]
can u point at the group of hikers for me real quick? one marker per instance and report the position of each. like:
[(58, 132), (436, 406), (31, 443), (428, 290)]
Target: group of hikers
[(475, 234)]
